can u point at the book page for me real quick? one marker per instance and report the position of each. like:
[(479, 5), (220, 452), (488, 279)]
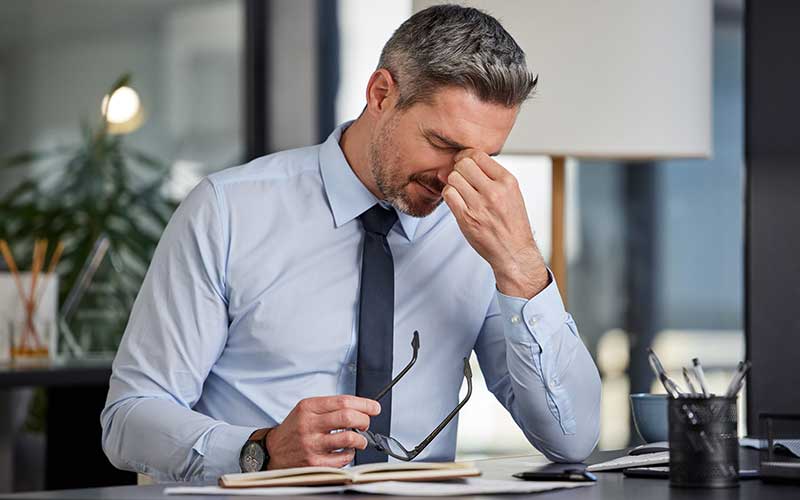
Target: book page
[(409, 466), (418, 471), (416, 475), (251, 477)]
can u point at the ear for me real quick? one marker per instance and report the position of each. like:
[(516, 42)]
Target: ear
[(381, 92)]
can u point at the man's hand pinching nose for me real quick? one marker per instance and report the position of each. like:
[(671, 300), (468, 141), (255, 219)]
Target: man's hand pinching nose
[(488, 206)]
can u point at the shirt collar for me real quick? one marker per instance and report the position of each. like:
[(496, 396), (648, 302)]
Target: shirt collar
[(347, 196)]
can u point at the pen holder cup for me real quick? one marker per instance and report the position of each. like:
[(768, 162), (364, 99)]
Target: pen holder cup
[(703, 444)]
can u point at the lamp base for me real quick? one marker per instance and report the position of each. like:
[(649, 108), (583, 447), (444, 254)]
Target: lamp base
[(558, 257)]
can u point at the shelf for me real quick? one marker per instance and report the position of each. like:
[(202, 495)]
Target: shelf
[(89, 372)]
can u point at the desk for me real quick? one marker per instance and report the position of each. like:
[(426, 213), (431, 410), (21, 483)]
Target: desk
[(76, 393), (611, 485)]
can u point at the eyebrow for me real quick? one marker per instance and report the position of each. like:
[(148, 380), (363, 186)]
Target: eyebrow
[(432, 134)]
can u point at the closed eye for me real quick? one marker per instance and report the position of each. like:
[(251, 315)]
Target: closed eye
[(443, 148)]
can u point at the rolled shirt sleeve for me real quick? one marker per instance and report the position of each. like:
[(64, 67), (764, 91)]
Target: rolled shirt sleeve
[(537, 366), (177, 329)]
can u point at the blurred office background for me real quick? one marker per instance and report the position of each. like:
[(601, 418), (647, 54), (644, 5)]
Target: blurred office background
[(223, 81)]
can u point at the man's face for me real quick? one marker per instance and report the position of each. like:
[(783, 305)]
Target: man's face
[(412, 151)]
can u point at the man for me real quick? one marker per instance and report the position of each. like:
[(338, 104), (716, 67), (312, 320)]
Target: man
[(285, 292)]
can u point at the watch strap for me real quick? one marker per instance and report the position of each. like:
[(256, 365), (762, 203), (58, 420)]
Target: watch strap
[(260, 435)]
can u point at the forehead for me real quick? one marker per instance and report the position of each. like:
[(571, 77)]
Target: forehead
[(460, 116)]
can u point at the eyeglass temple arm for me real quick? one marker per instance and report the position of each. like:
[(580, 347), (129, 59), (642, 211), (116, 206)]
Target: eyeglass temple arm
[(415, 347), (438, 429)]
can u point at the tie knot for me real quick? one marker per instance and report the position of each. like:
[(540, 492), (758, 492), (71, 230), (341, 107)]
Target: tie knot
[(378, 219)]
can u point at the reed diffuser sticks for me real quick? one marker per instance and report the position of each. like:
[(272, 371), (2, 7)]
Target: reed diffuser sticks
[(32, 299)]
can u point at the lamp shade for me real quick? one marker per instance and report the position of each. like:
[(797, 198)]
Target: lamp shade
[(621, 79)]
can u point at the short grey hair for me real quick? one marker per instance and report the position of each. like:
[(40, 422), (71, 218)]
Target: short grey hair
[(451, 45)]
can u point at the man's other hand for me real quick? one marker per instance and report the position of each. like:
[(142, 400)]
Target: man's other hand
[(304, 438)]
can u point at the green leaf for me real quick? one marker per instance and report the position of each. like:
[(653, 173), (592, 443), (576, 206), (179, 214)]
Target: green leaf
[(29, 157), (122, 81), (147, 161)]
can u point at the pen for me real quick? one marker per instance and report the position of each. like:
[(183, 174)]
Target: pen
[(747, 366), (701, 377), (670, 386), (689, 382), (738, 378), (735, 379)]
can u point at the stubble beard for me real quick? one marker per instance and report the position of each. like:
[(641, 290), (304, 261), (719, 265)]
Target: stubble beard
[(384, 159)]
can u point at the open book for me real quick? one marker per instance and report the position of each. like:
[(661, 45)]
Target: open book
[(368, 473)]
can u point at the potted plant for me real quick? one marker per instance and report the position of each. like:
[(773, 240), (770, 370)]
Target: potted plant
[(95, 188)]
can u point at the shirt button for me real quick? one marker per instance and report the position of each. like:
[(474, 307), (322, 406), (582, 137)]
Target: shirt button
[(515, 319), (352, 367), (533, 320)]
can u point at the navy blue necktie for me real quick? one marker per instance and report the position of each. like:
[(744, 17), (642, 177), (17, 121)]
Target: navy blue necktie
[(376, 322)]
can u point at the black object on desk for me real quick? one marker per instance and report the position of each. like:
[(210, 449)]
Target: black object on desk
[(556, 475), (779, 462), (703, 444), (644, 449), (662, 472)]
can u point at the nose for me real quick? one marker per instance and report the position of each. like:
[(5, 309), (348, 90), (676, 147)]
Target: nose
[(443, 172)]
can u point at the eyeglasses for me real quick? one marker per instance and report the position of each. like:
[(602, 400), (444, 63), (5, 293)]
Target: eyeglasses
[(393, 447)]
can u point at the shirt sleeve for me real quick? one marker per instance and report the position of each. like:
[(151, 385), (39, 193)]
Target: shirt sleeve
[(536, 365), (177, 329)]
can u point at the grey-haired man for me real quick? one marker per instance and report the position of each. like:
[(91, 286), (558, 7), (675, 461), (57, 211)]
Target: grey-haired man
[(284, 291)]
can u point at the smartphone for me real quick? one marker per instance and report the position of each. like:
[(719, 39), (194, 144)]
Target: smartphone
[(647, 472), (556, 475)]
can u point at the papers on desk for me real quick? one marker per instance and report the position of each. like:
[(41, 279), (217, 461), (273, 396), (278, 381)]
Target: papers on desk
[(471, 486), (659, 458), (271, 491)]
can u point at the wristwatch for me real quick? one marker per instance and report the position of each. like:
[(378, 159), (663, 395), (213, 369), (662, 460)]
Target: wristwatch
[(254, 455)]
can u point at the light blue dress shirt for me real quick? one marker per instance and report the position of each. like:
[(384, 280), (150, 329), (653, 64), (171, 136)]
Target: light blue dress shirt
[(251, 304)]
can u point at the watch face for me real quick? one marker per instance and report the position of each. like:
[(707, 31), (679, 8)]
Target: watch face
[(252, 457)]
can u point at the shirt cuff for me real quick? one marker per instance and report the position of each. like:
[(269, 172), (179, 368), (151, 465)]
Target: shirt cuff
[(222, 449), (540, 317)]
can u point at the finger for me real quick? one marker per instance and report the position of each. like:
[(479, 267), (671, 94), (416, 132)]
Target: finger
[(464, 153), (454, 201), (487, 164), (342, 419), (325, 404), (337, 458), (471, 197), (473, 174), (342, 440)]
